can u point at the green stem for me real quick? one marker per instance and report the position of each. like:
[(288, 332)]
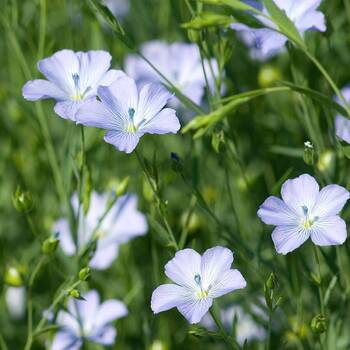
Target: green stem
[(155, 192), (329, 80), (269, 332), (214, 314), (35, 272), (320, 289), (3, 345)]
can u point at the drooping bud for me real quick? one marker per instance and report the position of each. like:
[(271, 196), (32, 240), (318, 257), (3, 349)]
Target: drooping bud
[(319, 324), (271, 281), (22, 200)]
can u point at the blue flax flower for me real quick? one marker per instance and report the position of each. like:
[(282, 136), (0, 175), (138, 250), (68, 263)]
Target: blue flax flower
[(304, 212)]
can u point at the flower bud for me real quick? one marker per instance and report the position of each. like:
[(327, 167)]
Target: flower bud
[(84, 274), (271, 281), (308, 153), (74, 293), (158, 345), (268, 76), (50, 245), (13, 277), (22, 200), (319, 324), (122, 186)]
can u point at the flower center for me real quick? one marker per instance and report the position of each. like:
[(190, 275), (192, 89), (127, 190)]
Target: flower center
[(201, 293), (77, 94), (307, 221), (131, 127)]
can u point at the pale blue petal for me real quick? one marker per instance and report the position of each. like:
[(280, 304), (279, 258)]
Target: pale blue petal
[(124, 221), (300, 192), (167, 296), (67, 321), (153, 97), (193, 310), (275, 212), (289, 238), (163, 123), (65, 341), (60, 68), (95, 113), (87, 309), (120, 97), (342, 128), (104, 336), (312, 20), (64, 235), (111, 76), (183, 268), (40, 89), (215, 261), (329, 231), (68, 109), (109, 311), (104, 256), (123, 141), (227, 282), (93, 66), (330, 201)]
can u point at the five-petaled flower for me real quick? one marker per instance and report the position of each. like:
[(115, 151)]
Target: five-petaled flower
[(305, 212), (72, 79), (303, 14), (87, 320), (128, 114), (199, 280), (120, 223)]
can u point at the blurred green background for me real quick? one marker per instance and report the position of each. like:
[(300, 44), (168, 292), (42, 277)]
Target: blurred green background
[(268, 137)]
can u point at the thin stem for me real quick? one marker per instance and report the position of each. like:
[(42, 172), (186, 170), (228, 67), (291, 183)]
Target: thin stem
[(3, 345), (320, 289), (269, 331), (155, 192), (329, 80), (35, 272), (217, 320)]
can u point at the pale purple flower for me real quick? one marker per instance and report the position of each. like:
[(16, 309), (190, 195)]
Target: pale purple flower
[(122, 223), (342, 125), (180, 63), (87, 320), (72, 79), (246, 327), (198, 280), (304, 212), (128, 113), (303, 14)]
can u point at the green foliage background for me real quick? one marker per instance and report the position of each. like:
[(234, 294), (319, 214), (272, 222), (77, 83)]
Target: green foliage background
[(264, 143)]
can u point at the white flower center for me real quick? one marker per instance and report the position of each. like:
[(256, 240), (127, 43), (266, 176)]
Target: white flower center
[(307, 220), (201, 293), (77, 94)]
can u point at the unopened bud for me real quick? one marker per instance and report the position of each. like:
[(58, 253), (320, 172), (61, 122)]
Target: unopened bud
[(13, 277), (268, 76), (122, 186), (194, 35), (50, 245), (158, 345), (22, 200), (319, 324), (271, 281), (308, 153), (84, 274), (326, 161), (74, 293)]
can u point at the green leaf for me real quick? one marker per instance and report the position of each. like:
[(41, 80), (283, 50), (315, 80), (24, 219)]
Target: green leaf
[(283, 22), (206, 20)]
